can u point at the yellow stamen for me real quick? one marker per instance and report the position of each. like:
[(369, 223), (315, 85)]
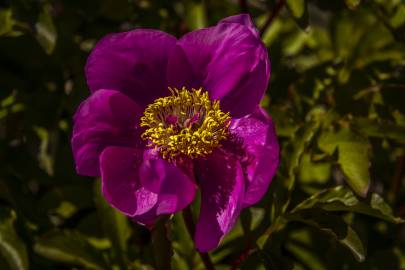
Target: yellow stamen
[(187, 123)]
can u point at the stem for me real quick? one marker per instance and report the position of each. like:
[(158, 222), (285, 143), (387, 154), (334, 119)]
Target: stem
[(278, 224), (242, 256), (188, 219), (272, 15)]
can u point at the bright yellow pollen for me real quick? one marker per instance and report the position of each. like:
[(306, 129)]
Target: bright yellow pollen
[(187, 123)]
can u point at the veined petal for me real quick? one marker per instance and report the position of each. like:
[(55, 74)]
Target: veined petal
[(243, 19), (228, 60), (133, 62), (106, 118), (222, 189), (124, 170), (175, 188), (260, 141), (121, 181)]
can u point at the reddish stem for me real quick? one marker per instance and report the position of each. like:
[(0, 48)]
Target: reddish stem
[(242, 257)]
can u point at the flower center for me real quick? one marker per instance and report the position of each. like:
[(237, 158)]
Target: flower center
[(186, 123)]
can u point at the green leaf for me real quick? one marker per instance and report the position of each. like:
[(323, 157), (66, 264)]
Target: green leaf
[(299, 10), (301, 244), (300, 141), (178, 262), (9, 100), (292, 153), (162, 246), (69, 247), (341, 198), (115, 225), (380, 129), (45, 157), (297, 7), (269, 37), (195, 16), (6, 21), (45, 31), (334, 226), (65, 200), (313, 174), (183, 245), (181, 239), (353, 157), (286, 127), (352, 4), (12, 247)]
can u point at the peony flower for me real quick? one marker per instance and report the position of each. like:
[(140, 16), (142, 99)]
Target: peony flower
[(167, 117)]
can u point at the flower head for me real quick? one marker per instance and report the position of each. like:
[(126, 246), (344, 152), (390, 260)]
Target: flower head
[(166, 117), (185, 124)]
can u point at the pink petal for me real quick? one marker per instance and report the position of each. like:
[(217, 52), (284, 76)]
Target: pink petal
[(121, 181), (133, 62), (222, 188), (228, 60), (260, 140), (106, 118)]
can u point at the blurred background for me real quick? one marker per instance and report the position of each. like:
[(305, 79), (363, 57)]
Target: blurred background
[(337, 95)]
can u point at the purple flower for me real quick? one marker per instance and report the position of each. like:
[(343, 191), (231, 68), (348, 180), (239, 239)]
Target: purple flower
[(167, 116)]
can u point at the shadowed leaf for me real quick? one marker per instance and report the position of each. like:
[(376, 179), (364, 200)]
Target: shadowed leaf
[(12, 248), (342, 199), (380, 129), (115, 225), (334, 226), (195, 15), (298, 9), (69, 247), (46, 31)]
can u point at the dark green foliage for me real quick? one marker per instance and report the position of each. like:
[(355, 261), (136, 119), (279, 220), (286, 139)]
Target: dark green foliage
[(337, 96)]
